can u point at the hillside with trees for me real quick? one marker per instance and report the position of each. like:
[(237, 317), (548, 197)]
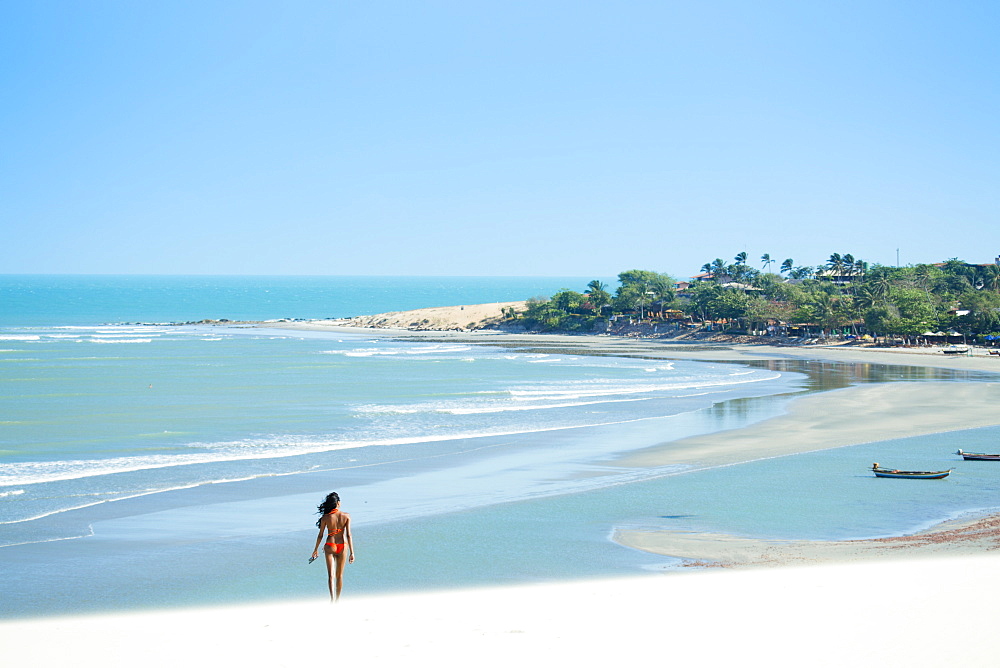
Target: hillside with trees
[(844, 296)]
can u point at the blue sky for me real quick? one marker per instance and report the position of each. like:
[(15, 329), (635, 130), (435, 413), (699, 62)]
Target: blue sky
[(508, 137)]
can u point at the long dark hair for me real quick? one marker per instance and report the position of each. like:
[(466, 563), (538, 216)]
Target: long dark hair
[(331, 501)]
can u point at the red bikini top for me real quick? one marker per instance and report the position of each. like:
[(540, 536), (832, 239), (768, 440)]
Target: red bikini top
[(341, 529)]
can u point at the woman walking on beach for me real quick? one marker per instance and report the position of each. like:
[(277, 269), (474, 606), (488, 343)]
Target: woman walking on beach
[(337, 526)]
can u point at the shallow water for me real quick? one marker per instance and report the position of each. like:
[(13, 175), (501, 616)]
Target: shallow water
[(191, 442), (100, 415)]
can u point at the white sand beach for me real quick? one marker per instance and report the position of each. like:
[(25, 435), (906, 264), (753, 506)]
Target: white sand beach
[(435, 319), (916, 613)]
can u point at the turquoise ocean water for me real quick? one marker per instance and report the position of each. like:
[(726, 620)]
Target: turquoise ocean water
[(129, 444)]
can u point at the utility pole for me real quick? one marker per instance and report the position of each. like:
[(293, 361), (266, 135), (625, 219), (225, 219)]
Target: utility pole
[(897, 258)]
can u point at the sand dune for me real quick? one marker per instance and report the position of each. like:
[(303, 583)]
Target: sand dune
[(440, 318)]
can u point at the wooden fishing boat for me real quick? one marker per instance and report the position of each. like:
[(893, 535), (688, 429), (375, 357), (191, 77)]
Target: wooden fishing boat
[(954, 350), (978, 456), (918, 475)]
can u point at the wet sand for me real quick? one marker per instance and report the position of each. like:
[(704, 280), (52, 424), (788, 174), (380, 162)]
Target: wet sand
[(962, 537), (849, 416)]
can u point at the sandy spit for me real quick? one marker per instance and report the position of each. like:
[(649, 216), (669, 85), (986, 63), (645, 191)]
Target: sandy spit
[(438, 319)]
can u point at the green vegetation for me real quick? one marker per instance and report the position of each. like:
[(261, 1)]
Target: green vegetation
[(644, 293), (843, 296)]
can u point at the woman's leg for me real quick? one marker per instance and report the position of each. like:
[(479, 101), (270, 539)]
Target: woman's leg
[(340, 561), (329, 570)]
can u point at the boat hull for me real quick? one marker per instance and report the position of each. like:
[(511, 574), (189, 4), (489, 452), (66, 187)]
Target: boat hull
[(979, 456), (914, 475)]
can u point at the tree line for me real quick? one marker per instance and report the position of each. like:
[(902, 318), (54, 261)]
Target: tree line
[(841, 295)]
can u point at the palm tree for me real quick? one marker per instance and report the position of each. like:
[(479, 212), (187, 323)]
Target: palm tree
[(835, 264), (868, 297), (825, 309), (861, 268), (991, 277), (847, 264), (765, 261), (718, 269), (922, 272), (738, 270), (598, 295), (802, 272), (787, 266), (663, 292), (880, 289)]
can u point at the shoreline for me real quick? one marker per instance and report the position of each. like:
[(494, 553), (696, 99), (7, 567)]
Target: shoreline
[(660, 348)]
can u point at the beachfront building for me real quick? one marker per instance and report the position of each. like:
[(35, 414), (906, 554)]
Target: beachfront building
[(743, 287), (840, 276)]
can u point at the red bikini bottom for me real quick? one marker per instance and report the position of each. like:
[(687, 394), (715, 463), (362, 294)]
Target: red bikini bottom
[(337, 547)]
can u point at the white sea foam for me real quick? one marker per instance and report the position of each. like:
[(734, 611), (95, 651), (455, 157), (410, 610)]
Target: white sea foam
[(459, 407), (90, 504), (534, 407), (569, 394), (19, 337), (386, 409), (604, 388), (110, 329), (45, 540), (123, 335), (126, 332), (438, 350), (121, 340), (395, 352), (30, 473), (665, 367), (13, 492)]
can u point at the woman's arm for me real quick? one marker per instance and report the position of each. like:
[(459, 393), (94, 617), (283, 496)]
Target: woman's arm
[(349, 539), (319, 539)]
